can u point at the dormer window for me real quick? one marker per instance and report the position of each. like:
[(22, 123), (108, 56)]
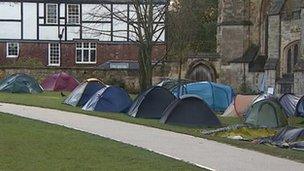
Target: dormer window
[(73, 14), (51, 13)]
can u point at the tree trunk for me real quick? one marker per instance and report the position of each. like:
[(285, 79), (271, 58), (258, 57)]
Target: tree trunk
[(145, 67)]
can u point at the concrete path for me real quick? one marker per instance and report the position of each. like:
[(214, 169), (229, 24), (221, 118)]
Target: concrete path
[(204, 153)]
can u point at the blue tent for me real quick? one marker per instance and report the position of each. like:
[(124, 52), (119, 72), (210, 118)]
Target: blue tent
[(109, 99), (300, 108), (217, 96), (82, 93)]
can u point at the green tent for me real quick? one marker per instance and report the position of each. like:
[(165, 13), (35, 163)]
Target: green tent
[(266, 113), (20, 83)]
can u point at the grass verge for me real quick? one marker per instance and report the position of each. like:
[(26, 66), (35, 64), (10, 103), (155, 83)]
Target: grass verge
[(32, 145), (54, 101)]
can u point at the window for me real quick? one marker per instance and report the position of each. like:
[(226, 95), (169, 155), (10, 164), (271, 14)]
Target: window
[(85, 53), (296, 54), (73, 14), (54, 54), (51, 13), (289, 61), (119, 65), (12, 50)]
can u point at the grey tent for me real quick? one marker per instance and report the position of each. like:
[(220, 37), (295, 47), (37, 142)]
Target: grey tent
[(288, 136), (83, 92), (171, 84), (289, 103), (190, 111), (300, 108), (151, 103), (20, 83), (266, 113)]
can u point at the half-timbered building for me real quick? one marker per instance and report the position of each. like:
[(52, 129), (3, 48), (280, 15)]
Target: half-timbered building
[(63, 33)]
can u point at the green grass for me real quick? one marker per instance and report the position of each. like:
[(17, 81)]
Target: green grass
[(32, 145), (54, 101)]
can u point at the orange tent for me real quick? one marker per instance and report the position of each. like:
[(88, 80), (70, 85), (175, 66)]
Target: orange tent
[(240, 105)]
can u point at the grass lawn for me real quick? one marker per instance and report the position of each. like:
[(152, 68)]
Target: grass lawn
[(54, 101), (32, 145)]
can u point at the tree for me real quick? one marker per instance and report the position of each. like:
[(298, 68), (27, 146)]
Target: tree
[(191, 28), (140, 22)]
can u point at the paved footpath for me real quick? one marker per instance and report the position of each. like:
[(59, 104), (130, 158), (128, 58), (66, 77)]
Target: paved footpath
[(198, 151)]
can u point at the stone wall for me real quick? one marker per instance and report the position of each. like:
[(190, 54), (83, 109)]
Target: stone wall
[(233, 75), (299, 83), (232, 41), (128, 79), (290, 32)]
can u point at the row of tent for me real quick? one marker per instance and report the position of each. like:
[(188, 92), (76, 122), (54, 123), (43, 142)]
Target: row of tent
[(292, 105), (217, 96), (266, 110), (23, 83), (181, 102), (155, 103)]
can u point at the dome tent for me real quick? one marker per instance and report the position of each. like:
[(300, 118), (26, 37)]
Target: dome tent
[(171, 84), (59, 82), (266, 113), (300, 108), (289, 103), (190, 111), (83, 92), (20, 83), (217, 96), (109, 99), (151, 103), (239, 106)]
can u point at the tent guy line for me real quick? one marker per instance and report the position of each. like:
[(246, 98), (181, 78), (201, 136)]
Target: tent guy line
[(190, 149)]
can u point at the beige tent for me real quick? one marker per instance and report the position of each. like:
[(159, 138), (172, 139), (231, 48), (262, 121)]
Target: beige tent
[(240, 105)]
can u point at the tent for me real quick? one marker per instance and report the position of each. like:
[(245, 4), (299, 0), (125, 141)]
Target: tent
[(59, 82), (300, 108), (190, 111), (240, 105), (217, 96), (289, 103), (170, 84), (83, 92), (20, 83), (266, 113), (109, 99), (287, 137), (151, 103)]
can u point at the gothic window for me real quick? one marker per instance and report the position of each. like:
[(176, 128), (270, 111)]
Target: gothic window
[(289, 61), (292, 55), (296, 54)]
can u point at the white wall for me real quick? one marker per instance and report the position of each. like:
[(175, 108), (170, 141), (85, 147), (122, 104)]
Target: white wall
[(73, 33), (10, 10), (30, 21), (10, 30), (48, 33)]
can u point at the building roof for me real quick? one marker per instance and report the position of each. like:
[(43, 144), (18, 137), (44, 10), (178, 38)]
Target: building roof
[(277, 7), (258, 64), (83, 1), (211, 56), (300, 65), (271, 64), (248, 56)]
